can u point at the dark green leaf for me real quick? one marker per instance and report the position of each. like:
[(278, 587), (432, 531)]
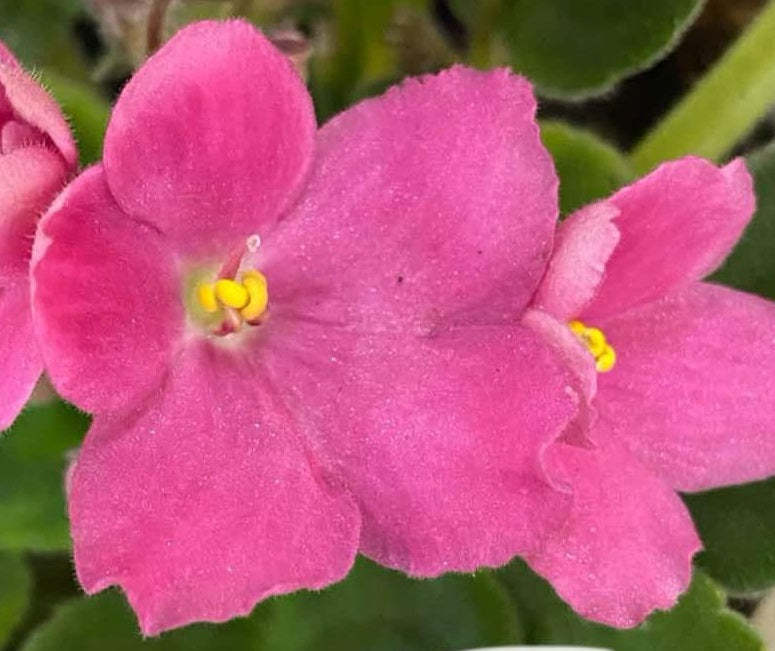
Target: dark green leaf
[(737, 527), (751, 267), (572, 48), (15, 589), (699, 622), (589, 168), (33, 458)]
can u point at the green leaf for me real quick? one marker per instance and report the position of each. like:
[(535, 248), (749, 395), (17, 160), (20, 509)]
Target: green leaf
[(737, 528), (15, 591), (751, 267), (372, 610), (382, 610), (575, 49), (33, 459), (589, 168), (699, 622), (86, 110), (42, 33)]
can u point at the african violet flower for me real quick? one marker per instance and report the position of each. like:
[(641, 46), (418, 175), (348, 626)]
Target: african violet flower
[(37, 154), (680, 400), (294, 355)]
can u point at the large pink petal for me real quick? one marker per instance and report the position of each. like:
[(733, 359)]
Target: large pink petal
[(107, 298), (436, 200), (29, 181), (206, 501), (21, 365), (627, 547), (438, 438), (677, 225), (585, 242), (690, 393), (33, 105), (210, 139)]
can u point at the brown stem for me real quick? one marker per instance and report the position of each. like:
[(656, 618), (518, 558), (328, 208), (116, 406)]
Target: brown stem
[(156, 20)]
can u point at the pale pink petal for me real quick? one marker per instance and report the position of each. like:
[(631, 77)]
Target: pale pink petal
[(107, 298), (33, 105), (438, 438), (677, 225), (691, 390), (210, 139), (206, 501), (29, 180), (6, 56), (18, 135), (434, 201), (21, 365), (627, 547)]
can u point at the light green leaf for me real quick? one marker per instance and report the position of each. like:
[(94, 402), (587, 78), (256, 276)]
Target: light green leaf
[(574, 49), (589, 168), (33, 459), (699, 622), (15, 591)]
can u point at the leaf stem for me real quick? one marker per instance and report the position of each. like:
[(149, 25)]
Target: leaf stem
[(723, 106)]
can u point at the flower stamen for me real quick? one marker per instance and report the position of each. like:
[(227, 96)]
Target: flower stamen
[(248, 297), (597, 344)]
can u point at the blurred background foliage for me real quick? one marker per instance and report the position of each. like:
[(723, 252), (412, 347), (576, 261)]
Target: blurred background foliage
[(606, 72)]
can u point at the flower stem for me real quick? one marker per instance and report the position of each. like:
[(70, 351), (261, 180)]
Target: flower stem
[(723, 106)]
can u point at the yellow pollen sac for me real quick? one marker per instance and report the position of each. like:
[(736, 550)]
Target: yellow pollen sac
[(247, 298), (258, 296), (597, 344)]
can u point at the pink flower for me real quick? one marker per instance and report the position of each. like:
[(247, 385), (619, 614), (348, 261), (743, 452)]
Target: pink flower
[(684, 404), (37, 154), (294, 356)]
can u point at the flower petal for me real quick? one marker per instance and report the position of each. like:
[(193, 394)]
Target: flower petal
[(107, 298), (6, 56), (33, 105), (29, 180), (210, 139), (627, 546), (677, 225), (205, 502), (445, 176), (439, 438), (585, 242), (690, 391), (21, 364)]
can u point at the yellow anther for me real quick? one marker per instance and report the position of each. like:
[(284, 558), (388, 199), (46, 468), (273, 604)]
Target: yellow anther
[(231, 294), (606, 360), (205, 294), (255, 284), (595, 341)]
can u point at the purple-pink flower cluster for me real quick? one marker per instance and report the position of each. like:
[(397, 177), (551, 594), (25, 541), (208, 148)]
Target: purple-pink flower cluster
[(299, 345)]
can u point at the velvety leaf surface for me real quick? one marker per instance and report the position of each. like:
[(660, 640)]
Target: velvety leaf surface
[(372, 610), (751, 267), (699, 622), (737, 527), (15, 592), (577, 49), (589, 168), (33, 459)]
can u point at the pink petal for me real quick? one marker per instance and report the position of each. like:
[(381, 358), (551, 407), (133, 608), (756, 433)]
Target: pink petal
[(29, 180), (677, 225), (439, 438), (6, 56), (107, 298), (206, 501), (585, 242), (627, 547), (33, 105), (690, 393), (18, 135), (434, 201), (210, 139), (21, 365)]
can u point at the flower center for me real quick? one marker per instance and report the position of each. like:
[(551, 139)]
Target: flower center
[(597, 344), (234, 301)]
